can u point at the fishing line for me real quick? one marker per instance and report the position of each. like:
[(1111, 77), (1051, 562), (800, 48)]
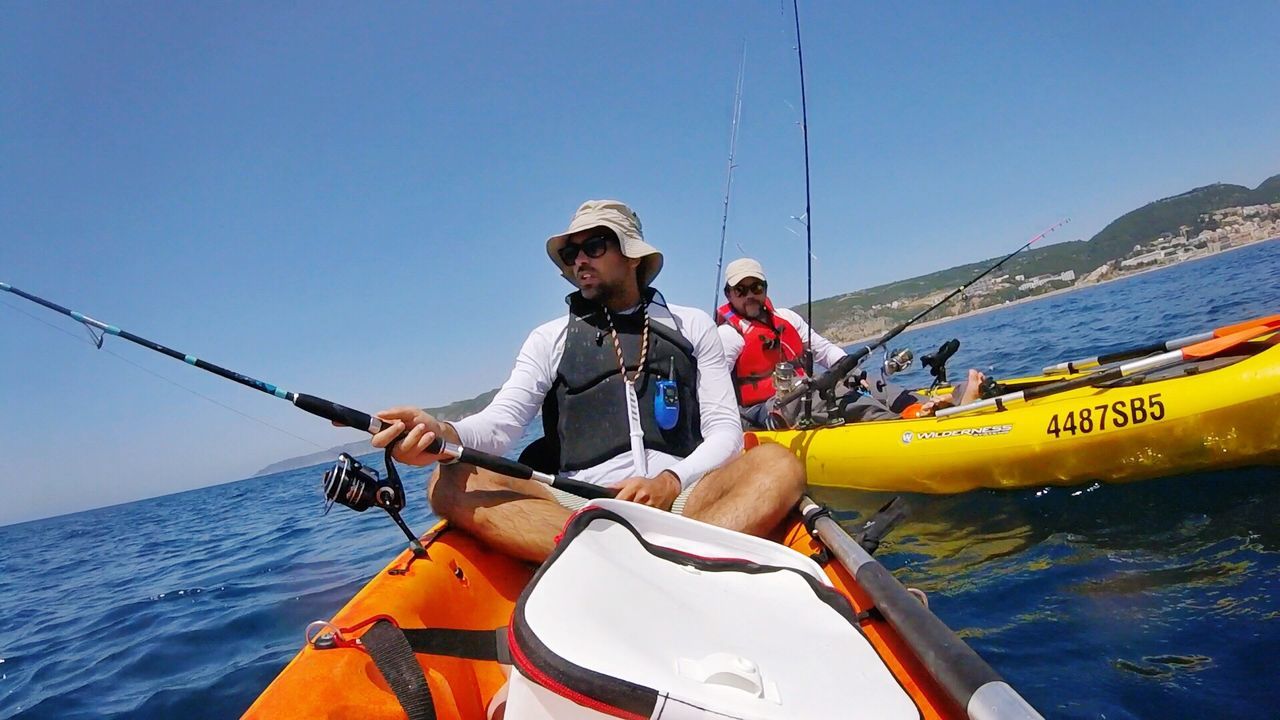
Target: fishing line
[(351, 484), (98, 345)]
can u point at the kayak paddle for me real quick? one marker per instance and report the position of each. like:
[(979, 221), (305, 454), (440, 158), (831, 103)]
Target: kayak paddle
[(1075, 366), (973, 684), (1198, 351)]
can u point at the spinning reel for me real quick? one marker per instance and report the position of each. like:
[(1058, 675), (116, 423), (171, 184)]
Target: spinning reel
[(897, 361), (355, 485)]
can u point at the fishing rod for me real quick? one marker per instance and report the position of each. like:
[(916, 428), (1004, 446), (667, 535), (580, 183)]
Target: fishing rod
[(850, 361), (349, 482), (728, 183), (808, 228)]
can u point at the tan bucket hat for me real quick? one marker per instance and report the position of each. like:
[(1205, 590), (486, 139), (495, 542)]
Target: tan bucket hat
[(624, 222), (741, 269)]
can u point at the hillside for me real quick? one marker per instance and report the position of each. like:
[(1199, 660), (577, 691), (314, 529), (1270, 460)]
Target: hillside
[(1183, 213), (1171, 213)]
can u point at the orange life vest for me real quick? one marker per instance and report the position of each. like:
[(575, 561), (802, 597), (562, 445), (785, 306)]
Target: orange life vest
[(766, 346)]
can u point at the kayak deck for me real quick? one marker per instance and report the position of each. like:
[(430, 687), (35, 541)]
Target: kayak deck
[(1202, 416), (462, 584)]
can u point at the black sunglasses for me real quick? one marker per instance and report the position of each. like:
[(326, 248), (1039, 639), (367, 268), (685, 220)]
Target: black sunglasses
[(594, 246), (756, 288)]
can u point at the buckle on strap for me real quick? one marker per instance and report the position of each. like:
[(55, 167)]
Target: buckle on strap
[(488, 645)]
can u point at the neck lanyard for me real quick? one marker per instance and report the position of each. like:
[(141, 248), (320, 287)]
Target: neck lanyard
[(617, 345), (639, 459)]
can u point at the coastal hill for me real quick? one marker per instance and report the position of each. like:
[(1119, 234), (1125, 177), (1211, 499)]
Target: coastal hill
[(1200, 221)]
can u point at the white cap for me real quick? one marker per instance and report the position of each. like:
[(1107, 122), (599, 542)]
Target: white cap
[(741, 269), (624, 223)]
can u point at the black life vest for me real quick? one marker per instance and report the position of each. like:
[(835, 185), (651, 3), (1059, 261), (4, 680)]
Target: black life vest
[(584, 415)]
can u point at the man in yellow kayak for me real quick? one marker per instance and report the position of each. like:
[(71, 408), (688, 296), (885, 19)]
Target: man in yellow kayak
[(634, 394), (758, 336)]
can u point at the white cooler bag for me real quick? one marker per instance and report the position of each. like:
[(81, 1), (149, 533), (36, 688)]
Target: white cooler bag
[(640, 613)]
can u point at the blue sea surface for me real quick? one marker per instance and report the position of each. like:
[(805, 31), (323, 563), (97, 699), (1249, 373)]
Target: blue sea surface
[(1152, 599)]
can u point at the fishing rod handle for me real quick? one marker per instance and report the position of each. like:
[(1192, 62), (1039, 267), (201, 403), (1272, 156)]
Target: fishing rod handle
[(827, 380), (340, 414), (516, 469)]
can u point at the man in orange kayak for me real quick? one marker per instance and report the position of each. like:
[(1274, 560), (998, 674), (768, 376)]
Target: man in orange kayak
[(634, 393), (758, 336)]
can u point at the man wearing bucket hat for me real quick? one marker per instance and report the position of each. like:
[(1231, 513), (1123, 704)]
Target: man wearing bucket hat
[(634, 393), (757, 337)]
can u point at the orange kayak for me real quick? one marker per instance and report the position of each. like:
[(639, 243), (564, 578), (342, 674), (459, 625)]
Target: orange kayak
[(461, 584)]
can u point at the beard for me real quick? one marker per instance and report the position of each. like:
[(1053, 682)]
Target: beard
[(753, 309), (603, 291)]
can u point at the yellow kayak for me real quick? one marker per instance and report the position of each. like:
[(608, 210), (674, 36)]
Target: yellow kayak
[(1213, 414)]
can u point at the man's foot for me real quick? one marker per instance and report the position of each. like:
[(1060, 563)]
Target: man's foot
[(969, 391), (973, 387)]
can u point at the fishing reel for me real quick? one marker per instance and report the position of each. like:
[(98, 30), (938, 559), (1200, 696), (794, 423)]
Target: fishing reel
[(355, 485), (897, 361), (785, 378), (360, 487)]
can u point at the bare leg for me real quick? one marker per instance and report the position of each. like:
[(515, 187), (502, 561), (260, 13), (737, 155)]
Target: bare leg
[(752, 493), (516, 517)]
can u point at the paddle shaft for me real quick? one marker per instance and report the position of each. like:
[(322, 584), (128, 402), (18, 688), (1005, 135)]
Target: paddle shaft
[(332, 411), (1203, 349), (963, 674), (1075, 366)]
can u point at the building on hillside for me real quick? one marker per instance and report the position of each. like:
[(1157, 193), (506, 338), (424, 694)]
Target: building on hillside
[(1038, 280), (988, 285), (1144, 259)]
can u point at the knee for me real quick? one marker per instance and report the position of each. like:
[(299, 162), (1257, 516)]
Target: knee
[(779, 469), (447, 492), (441, 494)]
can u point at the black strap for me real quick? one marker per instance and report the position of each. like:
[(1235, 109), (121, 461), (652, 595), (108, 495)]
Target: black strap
[(468, 644), (393, 655), (822, 556), (811, 519)]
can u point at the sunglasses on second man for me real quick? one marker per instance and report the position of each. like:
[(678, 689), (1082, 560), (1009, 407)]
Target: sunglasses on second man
[(594, 247), (756, 287)]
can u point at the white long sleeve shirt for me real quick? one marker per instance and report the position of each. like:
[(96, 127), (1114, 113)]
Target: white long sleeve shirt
[(520, 399), (825, 352)]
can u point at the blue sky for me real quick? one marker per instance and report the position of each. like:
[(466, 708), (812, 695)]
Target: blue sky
[(352, 201)]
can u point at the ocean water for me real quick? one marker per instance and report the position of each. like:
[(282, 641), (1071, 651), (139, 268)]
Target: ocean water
[(1154, 599)]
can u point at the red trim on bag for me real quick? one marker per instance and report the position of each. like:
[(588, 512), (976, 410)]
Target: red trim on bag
[(528, 668), (572, 516)]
